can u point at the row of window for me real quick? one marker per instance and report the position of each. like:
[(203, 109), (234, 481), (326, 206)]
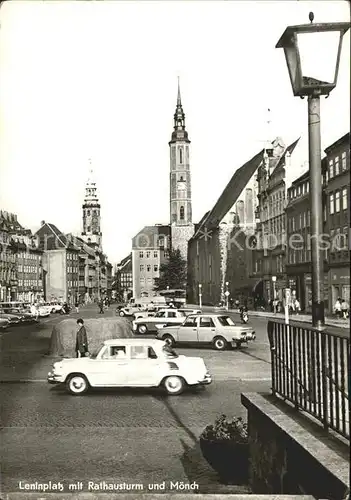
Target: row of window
[(148, 268), (72, 269), (143, 281), (30, 283), (27, 269), (300, 221), (72, 256), (299, 190), (148, 254), (7, 257), (93, 212), (334, 165), (29, 256), (338, 201), (72, 283)]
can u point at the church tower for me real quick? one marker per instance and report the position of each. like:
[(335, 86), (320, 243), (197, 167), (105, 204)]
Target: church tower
[(182, 228), (91, 212)]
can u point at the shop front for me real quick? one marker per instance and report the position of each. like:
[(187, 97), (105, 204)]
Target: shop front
[(308, 293), (339, 284)]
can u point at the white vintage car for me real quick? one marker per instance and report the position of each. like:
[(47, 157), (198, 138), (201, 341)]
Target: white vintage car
[(216, 329), (130, 309), (162, 318), (131, 363)]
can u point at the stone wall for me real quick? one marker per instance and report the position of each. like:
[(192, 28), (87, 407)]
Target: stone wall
[(285, 458), (180, 237)]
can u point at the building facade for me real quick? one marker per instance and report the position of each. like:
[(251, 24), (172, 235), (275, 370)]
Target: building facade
[(274, 176), (91, 233), (182, 228), (21, 272), (298, 254), (60, 264), (338, 218), (150, 249), (220, 252), (124, 279)]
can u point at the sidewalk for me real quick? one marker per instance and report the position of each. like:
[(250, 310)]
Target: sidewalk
[(303, 318)]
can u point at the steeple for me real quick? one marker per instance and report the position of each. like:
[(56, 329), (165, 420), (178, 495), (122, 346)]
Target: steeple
[(179, 132), (91, 211)]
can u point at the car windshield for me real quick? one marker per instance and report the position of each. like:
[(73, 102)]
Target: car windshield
[(95, 353), (226, 321), (169, 352), (160, 314)]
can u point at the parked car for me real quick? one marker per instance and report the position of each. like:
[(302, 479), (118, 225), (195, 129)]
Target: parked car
[(188, 311), (44, 310), (131, 363), (56, 307), (13, 319), (130, 310), (162, 318), (24, 314), (4, 323), (219, 330)]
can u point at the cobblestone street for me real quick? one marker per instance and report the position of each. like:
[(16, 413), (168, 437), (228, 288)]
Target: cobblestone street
[(112, 435)]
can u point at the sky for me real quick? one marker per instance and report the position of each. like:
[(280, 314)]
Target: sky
[(98, 80)]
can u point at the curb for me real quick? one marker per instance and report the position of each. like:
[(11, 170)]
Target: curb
[(299, 318)]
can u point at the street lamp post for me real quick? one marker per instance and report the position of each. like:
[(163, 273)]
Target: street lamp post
[(200, 295), (302, 45)]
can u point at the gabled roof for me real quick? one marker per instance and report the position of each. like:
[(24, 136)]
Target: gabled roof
[(231, 192), (148, 236), (345, 139), (53, 239), (290, 150)]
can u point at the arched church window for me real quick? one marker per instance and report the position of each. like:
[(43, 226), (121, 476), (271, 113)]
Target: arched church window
[(181, 179), (88, 212), (180, 155), (181, 213), (88, 229)]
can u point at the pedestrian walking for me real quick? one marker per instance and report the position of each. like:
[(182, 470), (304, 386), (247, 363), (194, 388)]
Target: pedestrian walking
[(101, 307), (345, 309), (34, 309), (81, 340), (337, 308), (77, 306), (297, 306)]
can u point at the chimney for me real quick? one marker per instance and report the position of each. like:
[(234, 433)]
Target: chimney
[(42, 223)]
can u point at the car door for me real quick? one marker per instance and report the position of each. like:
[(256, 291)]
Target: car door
[(206, 329), (144, 366), (187, 332), (111, 368)]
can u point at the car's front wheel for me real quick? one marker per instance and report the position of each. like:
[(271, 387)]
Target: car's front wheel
[(219, 343), (174, 385), (77, 384), (142, 329), (169, 340)]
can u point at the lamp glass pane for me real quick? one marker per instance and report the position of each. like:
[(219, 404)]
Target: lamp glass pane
[(318, 54)]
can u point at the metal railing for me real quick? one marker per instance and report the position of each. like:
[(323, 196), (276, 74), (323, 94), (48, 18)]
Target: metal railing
[(311, 369)]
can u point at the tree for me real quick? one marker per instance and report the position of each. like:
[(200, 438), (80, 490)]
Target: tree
[(172, 273)]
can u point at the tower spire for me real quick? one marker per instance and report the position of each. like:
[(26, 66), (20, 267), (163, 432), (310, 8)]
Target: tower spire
[(179, 101)]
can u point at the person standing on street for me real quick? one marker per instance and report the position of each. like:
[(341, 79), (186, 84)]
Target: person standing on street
[(77, 306), (101, 306), (81, 340), (337, 308), (344, 309)]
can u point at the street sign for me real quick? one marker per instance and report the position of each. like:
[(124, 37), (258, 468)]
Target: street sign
[(274, 278), (227, 293)]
